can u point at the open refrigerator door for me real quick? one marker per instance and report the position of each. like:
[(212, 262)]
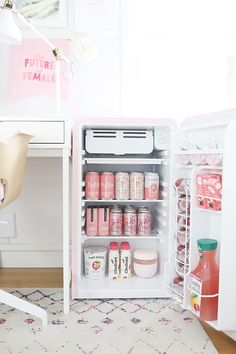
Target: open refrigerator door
[(205, 193)]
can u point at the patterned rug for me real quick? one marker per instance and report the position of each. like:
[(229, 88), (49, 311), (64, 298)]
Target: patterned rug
[(127, 326)]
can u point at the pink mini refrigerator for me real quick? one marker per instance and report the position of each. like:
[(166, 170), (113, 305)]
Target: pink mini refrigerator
[(202, 149)]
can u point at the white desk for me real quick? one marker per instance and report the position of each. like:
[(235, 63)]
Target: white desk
[(51, 138)]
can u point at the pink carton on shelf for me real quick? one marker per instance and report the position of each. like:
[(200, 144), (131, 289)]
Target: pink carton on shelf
[(217, 205), (212, 204), (213, 186), (209, 191), (103, 221), (209, 185), (199, 185), (201, 202), (91, 221), (209, 204)]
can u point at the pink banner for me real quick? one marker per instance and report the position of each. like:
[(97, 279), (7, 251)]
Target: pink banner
[(33, 69)]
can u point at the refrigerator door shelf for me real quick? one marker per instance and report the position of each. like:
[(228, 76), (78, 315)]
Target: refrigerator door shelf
[(199, 152)]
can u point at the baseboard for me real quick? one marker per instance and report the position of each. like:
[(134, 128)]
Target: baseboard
[(31, 259)]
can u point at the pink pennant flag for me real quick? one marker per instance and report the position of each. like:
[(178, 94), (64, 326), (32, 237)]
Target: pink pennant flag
[(33, 69)]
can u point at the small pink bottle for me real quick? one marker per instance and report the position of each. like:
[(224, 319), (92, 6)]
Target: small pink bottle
[(103, 221), (91, 221), (125, 260)]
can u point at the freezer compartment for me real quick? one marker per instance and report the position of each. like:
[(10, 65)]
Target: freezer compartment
[(123, 288), (116, 142)]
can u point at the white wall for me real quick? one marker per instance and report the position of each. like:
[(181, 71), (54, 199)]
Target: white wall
[(95, 91), (175, 56)]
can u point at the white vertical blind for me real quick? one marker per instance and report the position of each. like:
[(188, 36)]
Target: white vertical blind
[(175, 54)]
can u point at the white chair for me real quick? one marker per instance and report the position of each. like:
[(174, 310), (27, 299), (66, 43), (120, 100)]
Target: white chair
[(12, 166)]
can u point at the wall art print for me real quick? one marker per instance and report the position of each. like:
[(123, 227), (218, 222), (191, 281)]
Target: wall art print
[(33, 69), (44, 13)]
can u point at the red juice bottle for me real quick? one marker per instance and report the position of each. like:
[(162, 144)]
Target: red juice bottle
[(204, 282)]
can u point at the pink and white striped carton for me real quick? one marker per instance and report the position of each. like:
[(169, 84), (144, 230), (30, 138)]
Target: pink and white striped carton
[(200, 191), (209, 191), (213, 185), (103, 221), (91, 221)]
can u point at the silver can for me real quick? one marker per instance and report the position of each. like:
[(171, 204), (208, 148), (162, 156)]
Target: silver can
[(116, 221), (122, 186), (130, 221), (144, 222), (136, 186)]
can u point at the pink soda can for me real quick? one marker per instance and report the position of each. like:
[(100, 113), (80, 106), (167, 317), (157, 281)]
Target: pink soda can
[(116, 221), (103, 221), (144, 222), (91, 221), (136, 186), (151, 190), (122, 186), (130, 221), (92, 185), (107, 185)]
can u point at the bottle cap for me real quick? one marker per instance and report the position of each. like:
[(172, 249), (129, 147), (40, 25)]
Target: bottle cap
[(113, 246), (125, 246), (207, 244)]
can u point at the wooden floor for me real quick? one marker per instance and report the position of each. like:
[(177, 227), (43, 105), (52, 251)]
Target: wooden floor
[(52, 278)]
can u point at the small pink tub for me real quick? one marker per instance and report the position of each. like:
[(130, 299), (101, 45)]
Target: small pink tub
[(145, 263)]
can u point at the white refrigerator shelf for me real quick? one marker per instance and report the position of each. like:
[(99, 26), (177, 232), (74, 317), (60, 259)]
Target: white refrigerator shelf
[(123, 288), (125, 161)]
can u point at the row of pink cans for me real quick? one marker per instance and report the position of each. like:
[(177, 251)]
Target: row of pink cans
[(115, 222), (121, 185), (200, 159)]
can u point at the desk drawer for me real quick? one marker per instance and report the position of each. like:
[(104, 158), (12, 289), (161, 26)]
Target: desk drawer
[(50, 132)]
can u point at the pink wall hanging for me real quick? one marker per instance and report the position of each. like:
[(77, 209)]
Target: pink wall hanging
[(33, 69)]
